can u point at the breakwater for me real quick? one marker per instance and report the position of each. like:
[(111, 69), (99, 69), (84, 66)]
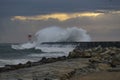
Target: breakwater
[(86, 45)]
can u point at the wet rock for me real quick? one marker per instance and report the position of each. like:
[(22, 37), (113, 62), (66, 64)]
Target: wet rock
[(79, 54), (62, 58), (50, 60), (43, 60)]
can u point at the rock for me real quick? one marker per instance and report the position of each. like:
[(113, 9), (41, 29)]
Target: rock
[(74, 55), (62, 58), (86, 55), (115, 60), (28, 64), (103, 66), (79, 54), (8, 66), (50, 60), (43, 60)]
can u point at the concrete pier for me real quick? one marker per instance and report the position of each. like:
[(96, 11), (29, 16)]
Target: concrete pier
[(86, 45)]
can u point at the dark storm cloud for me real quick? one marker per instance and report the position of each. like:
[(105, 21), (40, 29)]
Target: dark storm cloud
[(34, 7)]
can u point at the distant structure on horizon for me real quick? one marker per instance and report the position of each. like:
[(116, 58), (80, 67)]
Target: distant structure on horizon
[(87, 45), (29, 37)]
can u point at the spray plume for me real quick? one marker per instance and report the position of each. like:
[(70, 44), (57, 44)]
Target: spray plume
[(56, 34)]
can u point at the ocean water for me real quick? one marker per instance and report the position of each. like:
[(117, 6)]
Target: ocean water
[(8, 55)]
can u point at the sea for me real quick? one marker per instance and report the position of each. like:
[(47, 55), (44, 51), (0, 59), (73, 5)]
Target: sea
[(9, 55)]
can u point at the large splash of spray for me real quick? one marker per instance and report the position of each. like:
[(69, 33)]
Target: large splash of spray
[(57, 34)]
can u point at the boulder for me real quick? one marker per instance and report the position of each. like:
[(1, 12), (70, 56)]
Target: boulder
[(115, 60), (27, 64), (74, 55), (79, 54), (50, 60), (103, 66), (61, 58), (43, 60)]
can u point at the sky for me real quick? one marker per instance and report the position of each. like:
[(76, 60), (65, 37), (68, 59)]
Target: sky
[(18, 18)]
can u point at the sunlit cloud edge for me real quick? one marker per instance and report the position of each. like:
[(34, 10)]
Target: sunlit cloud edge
[(63, 16)]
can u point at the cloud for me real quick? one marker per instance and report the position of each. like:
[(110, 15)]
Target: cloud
[(109, 11), (58, 16), (63, 16), (10, 8)]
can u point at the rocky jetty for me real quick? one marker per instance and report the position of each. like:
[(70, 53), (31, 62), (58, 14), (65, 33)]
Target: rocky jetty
[(107, 55), (100, 59), (77, 53)]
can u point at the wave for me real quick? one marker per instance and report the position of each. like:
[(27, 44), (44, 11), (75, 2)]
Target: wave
[(4, 62), (27, 45), (47, 55), (55, 34)]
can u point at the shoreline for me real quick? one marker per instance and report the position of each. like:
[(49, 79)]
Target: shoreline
[(77, 63), (56, 70), (28, 64)]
